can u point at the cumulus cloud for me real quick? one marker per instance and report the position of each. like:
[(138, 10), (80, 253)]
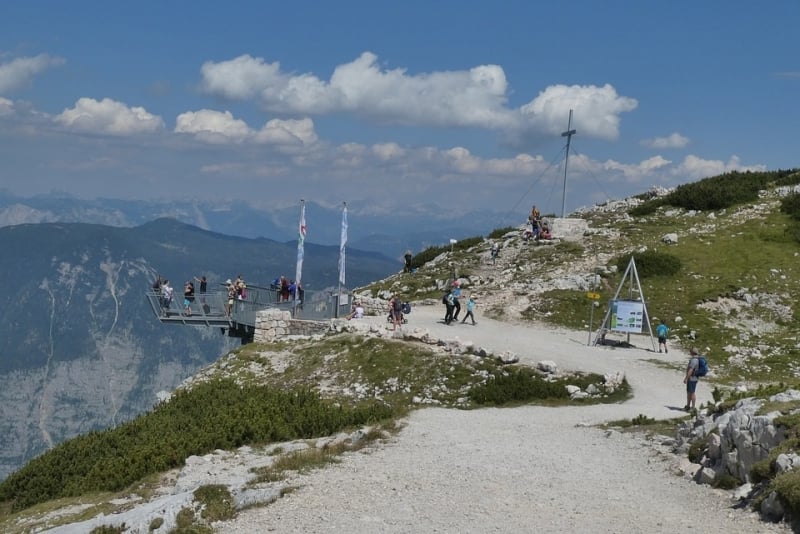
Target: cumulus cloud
[(109, 117), (212, 126), (287, 132), (221, 127), (20, 72), (695, 168), (596, 109), (477, 97), (674, 140), (637, 172)]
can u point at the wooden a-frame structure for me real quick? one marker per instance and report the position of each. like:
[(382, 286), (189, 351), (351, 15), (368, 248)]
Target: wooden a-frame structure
[(605, 326)]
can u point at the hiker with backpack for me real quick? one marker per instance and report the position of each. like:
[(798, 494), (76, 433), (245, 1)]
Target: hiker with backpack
[(447, 300), (661, 331), (696, 368)]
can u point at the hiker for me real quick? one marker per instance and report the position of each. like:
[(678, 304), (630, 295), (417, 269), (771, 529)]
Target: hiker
[(166, 296), (691, 380), (456, 293), (157, 285), (407, 257), (188, 297), (396, 311), (203, 283), (447, 300), (661, 331), (495, 252), (470, 308)]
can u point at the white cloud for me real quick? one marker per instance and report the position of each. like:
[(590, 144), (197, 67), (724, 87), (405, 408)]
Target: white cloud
[(109, 117), (287, 132), (696, 168), (388, 151), (212, 126), (596, 110), (674, 140), (19, 72), (239, 79), (221, 127), (637, 172), (477, 97)]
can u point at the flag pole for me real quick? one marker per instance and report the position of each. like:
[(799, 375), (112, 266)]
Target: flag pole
[(342, 243), (301, 238)]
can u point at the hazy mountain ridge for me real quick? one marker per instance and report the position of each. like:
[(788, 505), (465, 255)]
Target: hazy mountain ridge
[(370, 228), (81, 349)]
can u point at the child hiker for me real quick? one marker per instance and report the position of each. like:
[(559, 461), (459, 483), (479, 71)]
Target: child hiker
[(470, 308)]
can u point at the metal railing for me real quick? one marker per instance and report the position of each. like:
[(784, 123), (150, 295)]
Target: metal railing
[(211, 308)]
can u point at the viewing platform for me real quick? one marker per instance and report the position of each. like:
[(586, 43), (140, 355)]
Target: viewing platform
[(210, 309)]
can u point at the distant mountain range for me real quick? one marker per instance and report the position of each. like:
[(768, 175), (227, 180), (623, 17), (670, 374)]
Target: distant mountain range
[(80, 348), (415, 227)]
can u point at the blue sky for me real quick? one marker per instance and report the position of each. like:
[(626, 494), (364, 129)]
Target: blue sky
[(456, 104)]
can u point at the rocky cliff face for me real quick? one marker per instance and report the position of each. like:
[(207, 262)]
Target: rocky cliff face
[(81, 349), (89, 354)]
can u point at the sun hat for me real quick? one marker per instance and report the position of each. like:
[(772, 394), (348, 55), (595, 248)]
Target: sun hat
[(228, 281)]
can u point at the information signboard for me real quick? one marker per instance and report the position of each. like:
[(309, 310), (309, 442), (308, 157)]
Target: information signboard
[(627, 316)]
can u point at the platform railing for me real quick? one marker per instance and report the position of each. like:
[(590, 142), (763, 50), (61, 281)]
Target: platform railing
[(211, 308)]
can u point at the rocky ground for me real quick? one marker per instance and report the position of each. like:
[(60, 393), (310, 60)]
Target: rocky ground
[(522, 469)]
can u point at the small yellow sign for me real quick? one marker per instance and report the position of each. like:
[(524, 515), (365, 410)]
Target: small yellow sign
[(593, 296)]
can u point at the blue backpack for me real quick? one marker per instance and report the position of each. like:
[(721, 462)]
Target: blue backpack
[(702, 366)]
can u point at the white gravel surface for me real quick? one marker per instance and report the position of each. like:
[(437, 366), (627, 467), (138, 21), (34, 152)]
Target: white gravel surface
[(527, 469)]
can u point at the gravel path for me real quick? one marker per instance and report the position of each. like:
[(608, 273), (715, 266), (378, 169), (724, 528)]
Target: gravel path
[(526, 469)]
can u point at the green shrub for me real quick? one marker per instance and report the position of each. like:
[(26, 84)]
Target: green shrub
[(217, 502), (697, 449), (787, 486), (497, 233), (651, 263), (108, 529), (726, 481), (761, 470), (726, 190), (214, 415), (432, 252), (646, 208), (517, 385), (642, 420), (790, 205)]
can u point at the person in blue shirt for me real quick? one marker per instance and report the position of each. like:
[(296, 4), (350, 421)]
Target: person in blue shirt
[(456, 292), (661, 331), (470, 308)]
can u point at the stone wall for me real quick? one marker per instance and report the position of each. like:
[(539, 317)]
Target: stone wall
[(272, 324), (372, 305)]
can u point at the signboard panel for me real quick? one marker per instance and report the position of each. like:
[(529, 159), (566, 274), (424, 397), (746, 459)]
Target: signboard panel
[(627, 316)]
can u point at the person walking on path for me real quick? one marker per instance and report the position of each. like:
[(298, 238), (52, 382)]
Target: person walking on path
[(448, 302), (456, 302), (396, 311), (691, 380), (661, 331), (470, 308)]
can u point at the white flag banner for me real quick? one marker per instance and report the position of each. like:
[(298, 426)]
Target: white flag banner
[(301, 238), (342, 243)]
